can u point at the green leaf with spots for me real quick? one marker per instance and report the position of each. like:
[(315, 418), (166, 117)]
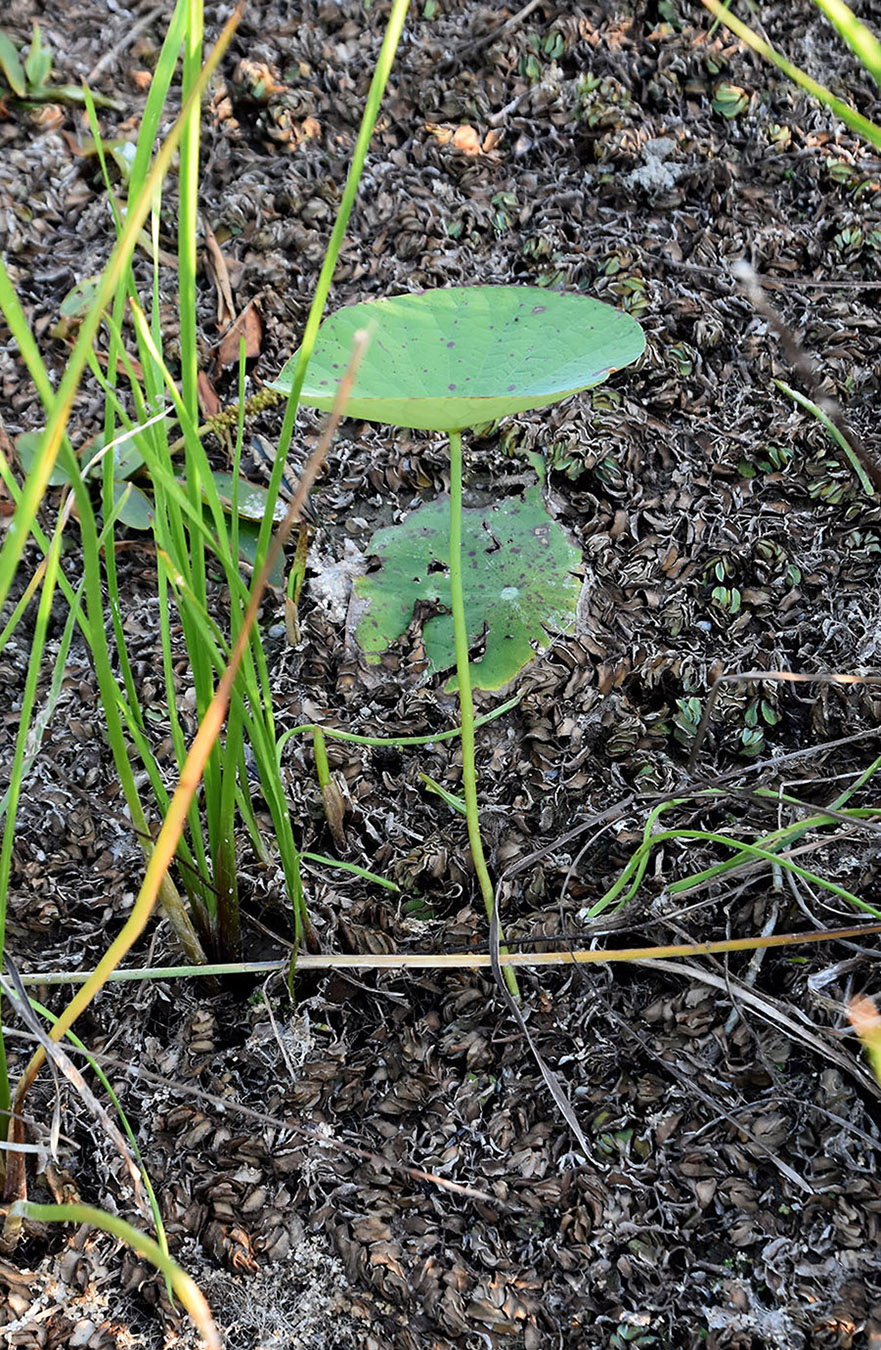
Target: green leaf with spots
[(518, 581), (448, 359)]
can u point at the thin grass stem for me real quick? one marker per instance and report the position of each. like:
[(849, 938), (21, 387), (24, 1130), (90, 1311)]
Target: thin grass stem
[(183, 1285)]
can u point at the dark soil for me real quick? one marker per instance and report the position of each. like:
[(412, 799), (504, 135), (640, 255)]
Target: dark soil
[(731, 1195)]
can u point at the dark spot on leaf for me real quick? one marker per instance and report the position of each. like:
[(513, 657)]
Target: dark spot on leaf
[(451, 387), (539, 309), (451, 344), (511, 388)]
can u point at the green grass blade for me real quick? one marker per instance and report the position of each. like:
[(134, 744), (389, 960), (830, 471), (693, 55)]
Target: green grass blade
[(62, 403), (381, 73), (22, 757), (154, 108), (870, 131), (373, 877), (861, 40), (183, 1285)]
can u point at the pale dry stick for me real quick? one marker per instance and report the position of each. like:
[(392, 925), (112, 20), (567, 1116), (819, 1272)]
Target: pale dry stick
[(794, 1027), (610, 815), (776, 761), (132, 31), (225, 302), (757, 798), (797, 894), (747, 676), (570, 871), (404, 961), (552, 1082), (16, 995), (755, 965), (694, 1088), (474, 45), (790, 283)]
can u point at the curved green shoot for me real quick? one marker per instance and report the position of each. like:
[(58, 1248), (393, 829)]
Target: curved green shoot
[(183, 1285), (434, 738), (124, 1122), (832, 431)]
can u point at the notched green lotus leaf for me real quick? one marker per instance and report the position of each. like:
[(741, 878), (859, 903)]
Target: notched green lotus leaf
[(518, 582), (454, 358)]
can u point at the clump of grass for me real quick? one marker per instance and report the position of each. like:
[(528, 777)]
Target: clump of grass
[(194, 534)]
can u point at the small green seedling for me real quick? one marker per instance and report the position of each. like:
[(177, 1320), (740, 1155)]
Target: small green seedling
[(460, 357), (28, 81)]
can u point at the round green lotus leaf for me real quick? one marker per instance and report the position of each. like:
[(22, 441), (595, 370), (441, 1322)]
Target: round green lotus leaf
[(449, 359)]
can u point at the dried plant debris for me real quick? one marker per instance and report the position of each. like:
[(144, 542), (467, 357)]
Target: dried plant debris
[(730, 1194)]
